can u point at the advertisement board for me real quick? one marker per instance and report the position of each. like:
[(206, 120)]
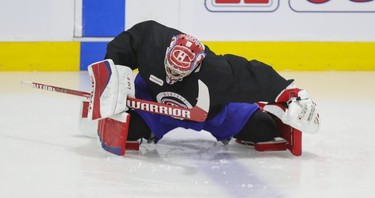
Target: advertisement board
[(288, 34)]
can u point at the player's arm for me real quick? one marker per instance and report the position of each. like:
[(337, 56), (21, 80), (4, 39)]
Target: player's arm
[(125, 47), (121, 51), (254, 81)]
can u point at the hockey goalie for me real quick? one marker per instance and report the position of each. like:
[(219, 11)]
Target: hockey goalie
[(245, 100)]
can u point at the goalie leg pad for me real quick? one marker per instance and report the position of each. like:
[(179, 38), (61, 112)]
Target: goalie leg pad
[(276, 145), (287, 138), (291, 140), (113, 133), (292, 136)]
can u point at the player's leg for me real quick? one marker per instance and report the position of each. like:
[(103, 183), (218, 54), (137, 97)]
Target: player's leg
[(260, 127), (267, 133), (138, 128)]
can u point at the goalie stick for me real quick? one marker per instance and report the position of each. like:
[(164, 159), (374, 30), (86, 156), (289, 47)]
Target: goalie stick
[(198, 113)]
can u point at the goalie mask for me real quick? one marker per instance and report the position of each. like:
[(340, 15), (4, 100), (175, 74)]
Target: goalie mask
[(183, 56)]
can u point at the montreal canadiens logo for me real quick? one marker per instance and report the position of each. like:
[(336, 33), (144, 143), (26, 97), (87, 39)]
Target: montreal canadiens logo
[(174, 99), (183, 56)]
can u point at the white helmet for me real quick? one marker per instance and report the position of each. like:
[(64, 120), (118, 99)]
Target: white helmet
[(183, 56)]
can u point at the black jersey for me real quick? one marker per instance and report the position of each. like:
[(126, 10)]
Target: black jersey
[(229, 78)]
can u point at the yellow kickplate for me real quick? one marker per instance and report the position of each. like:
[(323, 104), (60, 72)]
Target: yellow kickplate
[(39, 56), (304, 56)]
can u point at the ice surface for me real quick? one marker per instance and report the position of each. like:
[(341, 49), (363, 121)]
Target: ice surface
[(43, 154)]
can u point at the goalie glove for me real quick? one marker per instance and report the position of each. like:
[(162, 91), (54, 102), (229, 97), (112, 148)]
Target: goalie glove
[(295, 108), (111, 85)]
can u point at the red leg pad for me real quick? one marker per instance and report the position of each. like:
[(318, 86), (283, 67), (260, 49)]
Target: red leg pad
[(271, 146), (132, 145), (292, 136), (113, 133)]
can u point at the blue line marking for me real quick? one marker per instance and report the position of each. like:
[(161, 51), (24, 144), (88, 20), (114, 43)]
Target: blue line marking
[(91, 52), (102, 18)]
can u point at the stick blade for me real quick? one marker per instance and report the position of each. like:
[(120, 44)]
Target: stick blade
[(25, 82), (203, 96), (200, 111)]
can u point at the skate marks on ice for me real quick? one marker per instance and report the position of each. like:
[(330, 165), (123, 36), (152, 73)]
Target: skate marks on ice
[(206, 167), (43, 152)]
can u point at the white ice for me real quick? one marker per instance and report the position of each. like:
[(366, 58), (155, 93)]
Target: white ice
[(43, 154)]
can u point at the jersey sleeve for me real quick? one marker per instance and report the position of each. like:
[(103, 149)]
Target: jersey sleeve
[(123, 49), (131, 46), (231, 78), (120, 50)]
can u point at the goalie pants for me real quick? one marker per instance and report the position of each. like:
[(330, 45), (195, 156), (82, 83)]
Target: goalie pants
[(240, 120)]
